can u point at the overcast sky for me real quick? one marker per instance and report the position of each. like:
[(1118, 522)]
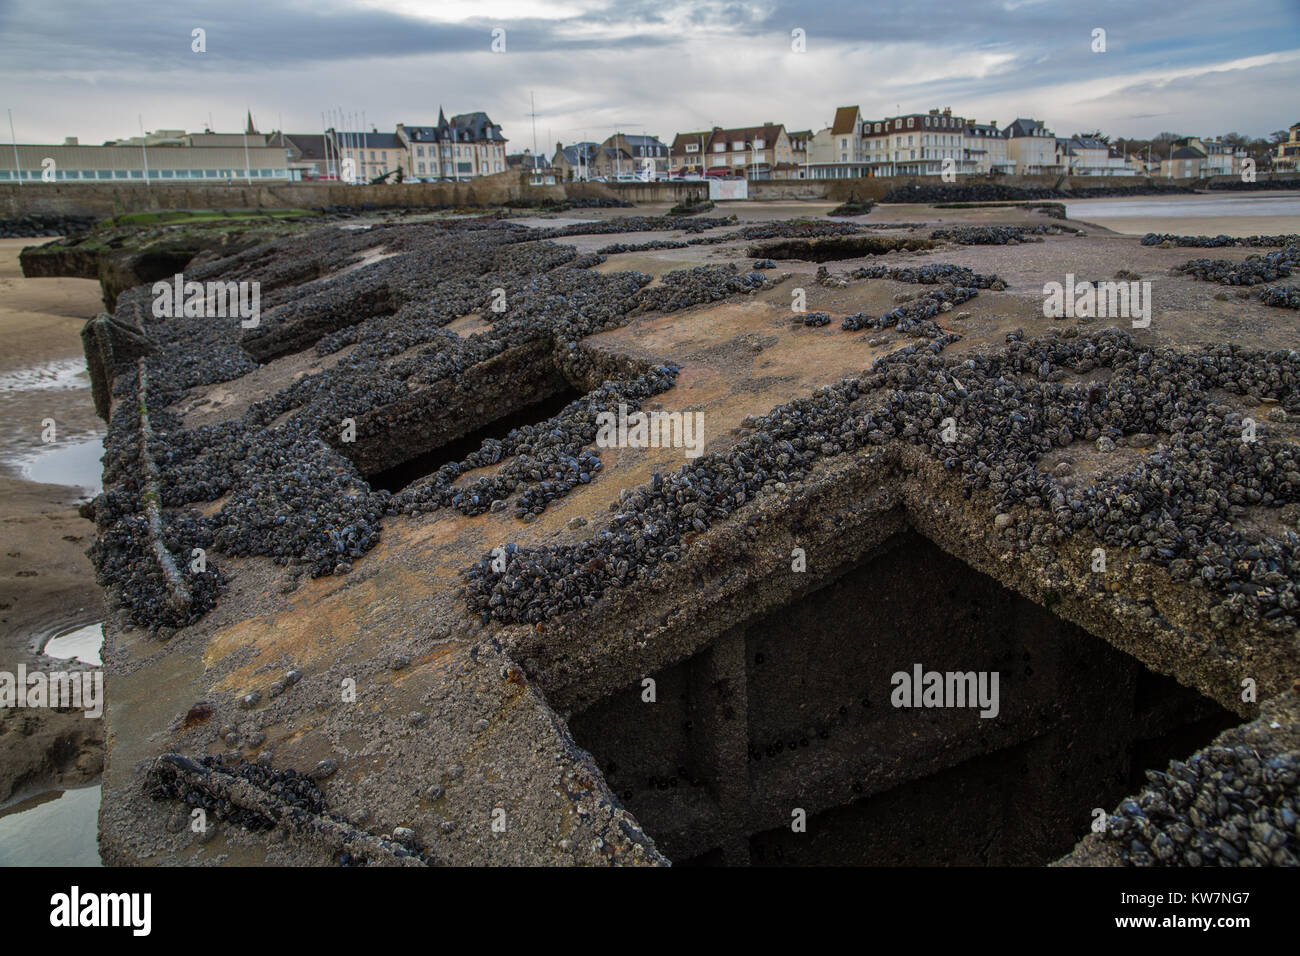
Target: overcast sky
[(90, 68)]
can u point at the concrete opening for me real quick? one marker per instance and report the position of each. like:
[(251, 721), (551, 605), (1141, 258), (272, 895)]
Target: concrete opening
[(413, 469), (832, 248), (411, 437), (792, 711)]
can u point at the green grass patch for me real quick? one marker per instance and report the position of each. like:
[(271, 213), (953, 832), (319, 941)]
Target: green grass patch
[(171, 216)]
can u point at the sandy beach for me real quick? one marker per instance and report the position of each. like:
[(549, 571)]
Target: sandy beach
[(47, 584)]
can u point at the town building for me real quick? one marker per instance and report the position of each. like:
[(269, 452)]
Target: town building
[(1221, 159), (1288, 151), (648, 157), (1032, 146), (1082, 156), (916, 144), (576, 162), (686, 155), (537, 167), (373, 154), (799, 142), (1184, 162), (465, 146), (984, 148), (754, 152), (527, 161), (169, 160), (846, 136), (310, 154)]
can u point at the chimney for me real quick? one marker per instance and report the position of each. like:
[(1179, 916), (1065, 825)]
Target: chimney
[(947, 111), (70, 141)]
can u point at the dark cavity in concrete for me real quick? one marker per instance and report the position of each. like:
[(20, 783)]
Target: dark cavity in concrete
[(792, 710), (831, 248), (397, 477)]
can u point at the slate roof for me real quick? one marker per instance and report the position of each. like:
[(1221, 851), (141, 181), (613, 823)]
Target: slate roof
[(364, 140), (1024, 127), (462, 128), (845, 120), (580, 153)]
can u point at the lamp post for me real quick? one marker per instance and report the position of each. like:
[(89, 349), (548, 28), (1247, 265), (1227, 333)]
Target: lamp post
[(18, 170)]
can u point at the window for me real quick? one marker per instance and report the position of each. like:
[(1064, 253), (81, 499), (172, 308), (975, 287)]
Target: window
[(758, 144), (119, 174), (910, 121), (168, 174), (692, 147), (196, 174), (268, 172), (719, 147)]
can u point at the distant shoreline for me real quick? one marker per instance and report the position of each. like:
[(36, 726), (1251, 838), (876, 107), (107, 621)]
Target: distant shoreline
[(1255, 218)]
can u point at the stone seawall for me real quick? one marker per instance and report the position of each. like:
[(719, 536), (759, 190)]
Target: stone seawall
[(65, 199)]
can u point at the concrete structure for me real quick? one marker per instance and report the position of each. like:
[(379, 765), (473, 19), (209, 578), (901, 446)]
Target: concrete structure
[(772, 681), (1031, 146)]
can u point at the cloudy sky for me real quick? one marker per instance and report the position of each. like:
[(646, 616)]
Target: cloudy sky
[(91, 68)]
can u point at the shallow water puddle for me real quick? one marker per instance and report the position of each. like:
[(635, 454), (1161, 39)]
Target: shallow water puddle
[(75, 464), (84, 644), (55, 828), (63, 373)]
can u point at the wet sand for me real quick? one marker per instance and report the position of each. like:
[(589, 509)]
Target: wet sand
[(47, 584)]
